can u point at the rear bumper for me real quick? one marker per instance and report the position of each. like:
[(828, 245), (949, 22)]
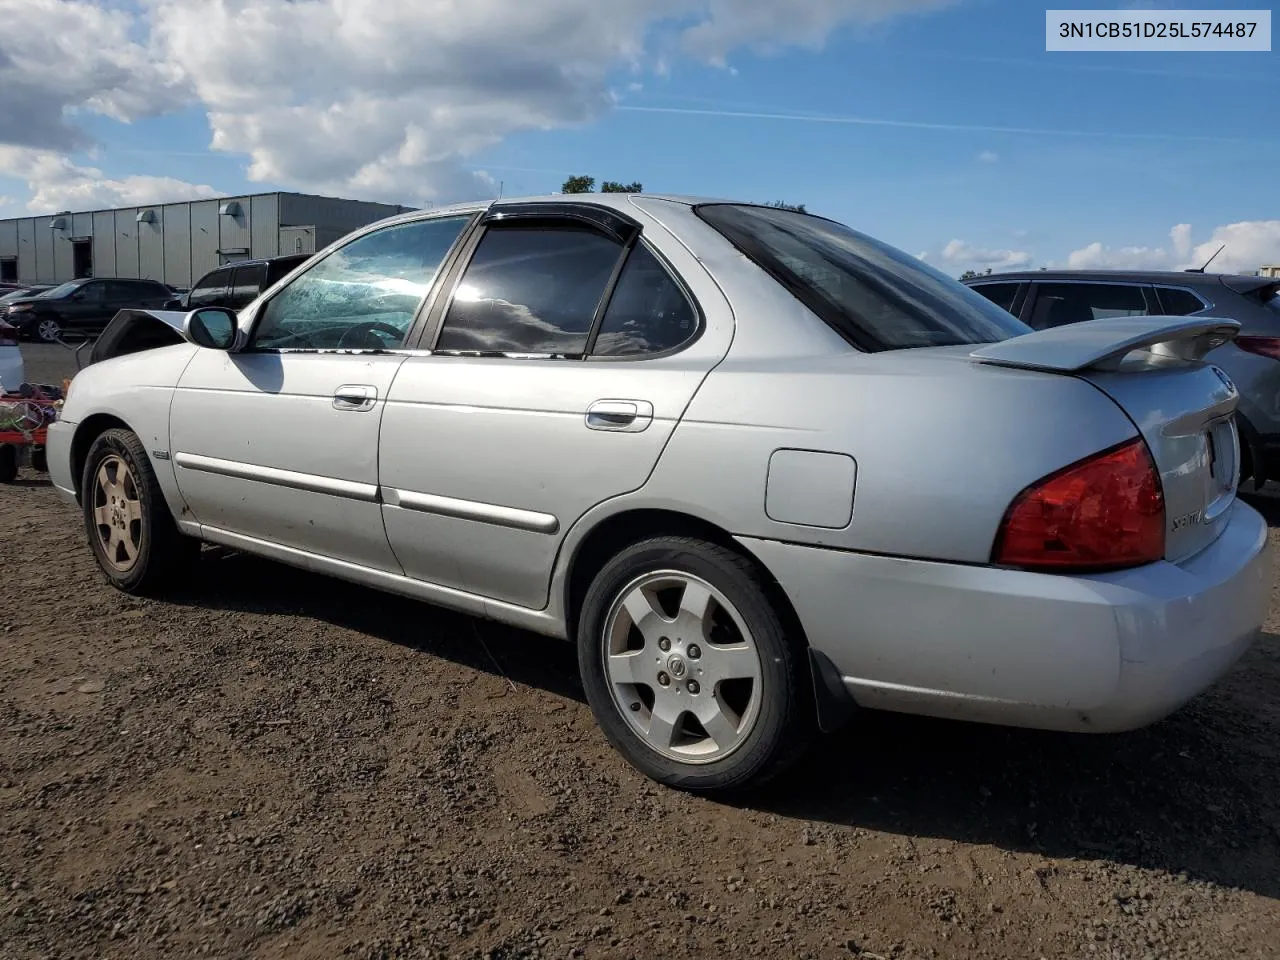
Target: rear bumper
[(1094, 653)]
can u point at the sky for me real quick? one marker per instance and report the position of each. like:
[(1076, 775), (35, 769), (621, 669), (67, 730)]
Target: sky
[(940, 126)]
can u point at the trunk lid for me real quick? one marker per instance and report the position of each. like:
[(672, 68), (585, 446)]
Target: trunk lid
[(1152, 367)]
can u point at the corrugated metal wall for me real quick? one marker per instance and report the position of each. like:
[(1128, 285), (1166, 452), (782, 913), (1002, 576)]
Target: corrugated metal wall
[(177, 244), (104, 246), (264, 222), (126, 239), (184, 242)]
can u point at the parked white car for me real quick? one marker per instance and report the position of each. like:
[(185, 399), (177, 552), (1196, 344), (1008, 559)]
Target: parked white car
[(761, 468)]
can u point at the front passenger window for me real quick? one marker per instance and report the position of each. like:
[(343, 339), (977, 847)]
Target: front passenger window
[(362, 296)]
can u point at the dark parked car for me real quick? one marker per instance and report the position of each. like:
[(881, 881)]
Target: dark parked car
[(81, 306), (233, 286), (236, 285), (1052, 298)]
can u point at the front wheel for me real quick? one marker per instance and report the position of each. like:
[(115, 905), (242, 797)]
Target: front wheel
[(45, 329), (688, 668), (131, 532)]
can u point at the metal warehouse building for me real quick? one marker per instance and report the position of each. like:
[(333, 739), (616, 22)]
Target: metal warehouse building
[(176, 243)]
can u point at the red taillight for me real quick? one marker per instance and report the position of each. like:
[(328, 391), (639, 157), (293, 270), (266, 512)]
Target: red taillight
[(1268, 347), (8, 335), (1103, 513)]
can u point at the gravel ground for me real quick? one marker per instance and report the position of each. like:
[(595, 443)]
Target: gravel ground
[(274, 764)]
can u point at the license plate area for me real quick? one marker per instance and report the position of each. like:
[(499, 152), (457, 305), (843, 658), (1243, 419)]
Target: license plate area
[(1222, 462)]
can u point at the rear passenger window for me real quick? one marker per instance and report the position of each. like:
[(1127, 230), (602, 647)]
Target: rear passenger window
[(1179, 303), (530, 289), (648, 312), (1001, 294), (1059, 304)]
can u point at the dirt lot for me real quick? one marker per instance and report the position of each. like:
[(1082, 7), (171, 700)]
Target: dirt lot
[(273, 764)]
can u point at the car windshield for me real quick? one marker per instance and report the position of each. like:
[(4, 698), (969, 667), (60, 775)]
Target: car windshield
[(875, 296), (61, 290), (15, 295)]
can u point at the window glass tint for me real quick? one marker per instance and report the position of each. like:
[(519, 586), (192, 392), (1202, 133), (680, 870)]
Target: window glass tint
[(246, 283), (94, 292), (209, 290), (1058, 304), (647, 313), (1001, 294), (530, 289), (1179, 303), (875, 295), (363, 295)]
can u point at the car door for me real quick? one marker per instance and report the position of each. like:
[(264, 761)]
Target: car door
[(87, 307), (247, 282), (564, 352), (277, 443), (1055, 303)]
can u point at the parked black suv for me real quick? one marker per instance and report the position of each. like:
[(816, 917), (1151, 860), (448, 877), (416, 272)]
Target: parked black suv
[(1051, 298), (237, 284), (80, 306)]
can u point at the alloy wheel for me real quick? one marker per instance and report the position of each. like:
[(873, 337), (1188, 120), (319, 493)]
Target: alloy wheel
[(682, 667), (117, 513)]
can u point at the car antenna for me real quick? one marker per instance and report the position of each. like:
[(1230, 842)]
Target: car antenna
[(1207, 262)]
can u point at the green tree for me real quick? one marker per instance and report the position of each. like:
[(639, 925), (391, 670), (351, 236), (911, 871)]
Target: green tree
[(579, 185), (582, 184), (797, 207), (970, 274)]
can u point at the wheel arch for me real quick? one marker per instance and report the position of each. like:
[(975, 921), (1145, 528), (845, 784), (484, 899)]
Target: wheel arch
[(87, 431), (619, 530)]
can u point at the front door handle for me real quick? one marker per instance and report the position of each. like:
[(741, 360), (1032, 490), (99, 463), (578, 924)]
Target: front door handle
[(620, 416), (354, 397)]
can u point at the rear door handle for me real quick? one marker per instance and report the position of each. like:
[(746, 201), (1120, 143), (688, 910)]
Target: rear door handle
[(354, 397), (620, 416)]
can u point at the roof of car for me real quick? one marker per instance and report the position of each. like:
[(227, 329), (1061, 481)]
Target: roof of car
[(1235, 281)]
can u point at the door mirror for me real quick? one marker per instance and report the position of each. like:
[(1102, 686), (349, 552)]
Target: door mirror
[(212, 327)]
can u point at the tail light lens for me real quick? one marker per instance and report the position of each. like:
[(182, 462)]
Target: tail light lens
[(1104, 513), (1268, 347), (8, 335)]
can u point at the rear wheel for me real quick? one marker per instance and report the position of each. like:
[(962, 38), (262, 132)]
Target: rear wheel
[(131, 532), (8, 463), (688, 667)]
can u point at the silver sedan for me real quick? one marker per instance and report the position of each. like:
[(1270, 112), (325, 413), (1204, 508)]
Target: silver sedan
[(762, 469)]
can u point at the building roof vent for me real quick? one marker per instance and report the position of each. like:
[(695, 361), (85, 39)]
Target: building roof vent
[(145, 216), (230, 209), (58, 223)]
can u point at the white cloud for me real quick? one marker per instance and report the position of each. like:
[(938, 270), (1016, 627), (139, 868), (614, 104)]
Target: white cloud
[(960, 255), (58, 184), (1248, 245), (60, 56), (988, 156), (382, 99)]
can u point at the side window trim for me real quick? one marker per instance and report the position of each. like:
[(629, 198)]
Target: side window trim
[(414, 332), (440, 309)]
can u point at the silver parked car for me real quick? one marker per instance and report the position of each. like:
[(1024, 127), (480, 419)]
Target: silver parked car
[(761, 468)]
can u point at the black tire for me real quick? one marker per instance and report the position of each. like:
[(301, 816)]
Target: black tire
[(162, 553), (39, 460), (8, 463), (35, 333), (785, 720)]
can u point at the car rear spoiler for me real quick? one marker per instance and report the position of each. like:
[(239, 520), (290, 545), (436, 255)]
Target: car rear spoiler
[(1102, 344)]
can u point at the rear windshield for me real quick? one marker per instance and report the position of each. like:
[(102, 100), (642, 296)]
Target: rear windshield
[(875, 296)]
